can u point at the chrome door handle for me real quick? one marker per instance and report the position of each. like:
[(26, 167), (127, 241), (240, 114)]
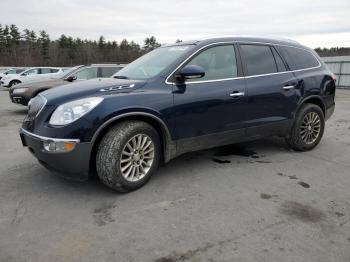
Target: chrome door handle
[(288, 87), (237, 94)]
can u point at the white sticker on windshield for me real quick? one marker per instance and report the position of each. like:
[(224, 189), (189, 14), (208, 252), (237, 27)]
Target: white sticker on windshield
[(178, 48)]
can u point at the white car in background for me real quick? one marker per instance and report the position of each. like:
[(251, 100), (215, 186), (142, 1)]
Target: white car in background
[(31, 74), (10, 71)]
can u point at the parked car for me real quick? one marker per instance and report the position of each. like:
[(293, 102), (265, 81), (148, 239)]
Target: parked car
[(11, 71), (22, 93), (31, 74), (181, 98)]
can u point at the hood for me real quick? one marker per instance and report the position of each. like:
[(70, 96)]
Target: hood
[(48, 83), (93, 87)]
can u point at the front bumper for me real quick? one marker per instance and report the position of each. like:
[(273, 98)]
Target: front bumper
[(19, 99), (72, 165)]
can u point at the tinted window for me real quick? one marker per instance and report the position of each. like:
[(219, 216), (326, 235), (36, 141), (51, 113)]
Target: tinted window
[(259, 59), (54, 70), (298, 58), (280, 65), (87, 73), (45, 70), (109, 71), (218, 63)]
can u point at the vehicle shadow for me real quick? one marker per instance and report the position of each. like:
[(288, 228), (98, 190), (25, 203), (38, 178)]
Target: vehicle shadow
[(36, 178)]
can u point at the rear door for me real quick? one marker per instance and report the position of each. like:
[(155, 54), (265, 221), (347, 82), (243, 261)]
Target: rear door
[(272, 96)]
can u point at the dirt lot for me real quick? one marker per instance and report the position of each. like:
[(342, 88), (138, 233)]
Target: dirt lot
[(261, 202)]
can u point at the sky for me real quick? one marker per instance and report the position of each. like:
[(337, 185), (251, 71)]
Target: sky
[(315, 23)]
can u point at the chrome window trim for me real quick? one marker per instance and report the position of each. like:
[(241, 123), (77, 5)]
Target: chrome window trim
[(241, 77), (43, 138)]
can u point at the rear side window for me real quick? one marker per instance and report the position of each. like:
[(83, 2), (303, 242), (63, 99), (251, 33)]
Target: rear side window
[(109, 71), (45, 71), (54, 70), (259, 59), (218, 63), (298, 58)]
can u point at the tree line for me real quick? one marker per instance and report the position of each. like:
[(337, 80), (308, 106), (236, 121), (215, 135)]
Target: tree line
[(30, 48), (333, 51)]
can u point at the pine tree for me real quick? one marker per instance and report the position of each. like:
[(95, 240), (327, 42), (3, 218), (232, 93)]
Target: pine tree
[(44, 42)]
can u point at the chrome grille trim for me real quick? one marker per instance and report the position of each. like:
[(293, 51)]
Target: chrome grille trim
[(34, 112)]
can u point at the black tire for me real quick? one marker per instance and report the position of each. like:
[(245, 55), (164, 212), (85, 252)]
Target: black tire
[(110, 150), (294, 139), (14, 82)]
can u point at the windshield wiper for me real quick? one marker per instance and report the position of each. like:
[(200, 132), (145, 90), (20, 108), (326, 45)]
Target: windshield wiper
[(121, 77)]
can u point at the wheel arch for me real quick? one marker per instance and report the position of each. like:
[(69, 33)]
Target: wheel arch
[(15, 80), (316, 100), (168, 146)]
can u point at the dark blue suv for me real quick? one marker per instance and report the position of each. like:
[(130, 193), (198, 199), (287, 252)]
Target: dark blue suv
[(180, 98)]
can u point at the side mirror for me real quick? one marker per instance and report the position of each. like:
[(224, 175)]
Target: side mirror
[(189, 72), (71, 78)]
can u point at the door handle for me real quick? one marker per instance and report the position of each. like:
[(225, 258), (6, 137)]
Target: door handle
[(236, 94), (288, 87)]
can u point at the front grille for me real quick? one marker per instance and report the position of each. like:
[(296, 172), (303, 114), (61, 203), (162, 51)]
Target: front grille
[(35, 105)]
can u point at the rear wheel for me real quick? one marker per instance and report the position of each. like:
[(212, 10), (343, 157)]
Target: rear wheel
[(14, 82), (308, 128), (128, 155)]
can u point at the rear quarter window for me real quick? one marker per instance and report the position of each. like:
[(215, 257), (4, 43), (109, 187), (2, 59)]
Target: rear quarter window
[(298, 58)]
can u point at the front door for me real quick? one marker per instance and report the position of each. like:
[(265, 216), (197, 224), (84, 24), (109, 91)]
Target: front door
[(209, 111)]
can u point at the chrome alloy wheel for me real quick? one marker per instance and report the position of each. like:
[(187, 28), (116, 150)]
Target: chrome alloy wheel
[(137, 157), (310, 128)]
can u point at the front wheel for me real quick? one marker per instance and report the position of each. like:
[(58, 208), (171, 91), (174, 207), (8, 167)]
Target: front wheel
[(308, 128), (127, 155)]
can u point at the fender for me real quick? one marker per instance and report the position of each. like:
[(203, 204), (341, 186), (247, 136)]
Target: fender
[(169, 147)]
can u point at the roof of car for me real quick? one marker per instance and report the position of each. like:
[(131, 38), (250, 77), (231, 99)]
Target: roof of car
[(254, 39)]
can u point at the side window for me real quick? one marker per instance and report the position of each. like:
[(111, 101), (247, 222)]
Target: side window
[(279, 62), (109, 71), (87, 73), (218, 63), (32, 72), (45, 71), (54, 70), (298, 58), (259, 59)]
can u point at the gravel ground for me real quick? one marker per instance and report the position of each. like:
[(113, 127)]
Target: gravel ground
[(260, 202)]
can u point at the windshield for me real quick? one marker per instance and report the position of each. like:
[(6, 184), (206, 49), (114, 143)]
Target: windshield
[(152, 63)]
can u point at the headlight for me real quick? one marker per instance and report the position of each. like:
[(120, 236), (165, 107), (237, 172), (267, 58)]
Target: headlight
[(71, 111), (20, 90)]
